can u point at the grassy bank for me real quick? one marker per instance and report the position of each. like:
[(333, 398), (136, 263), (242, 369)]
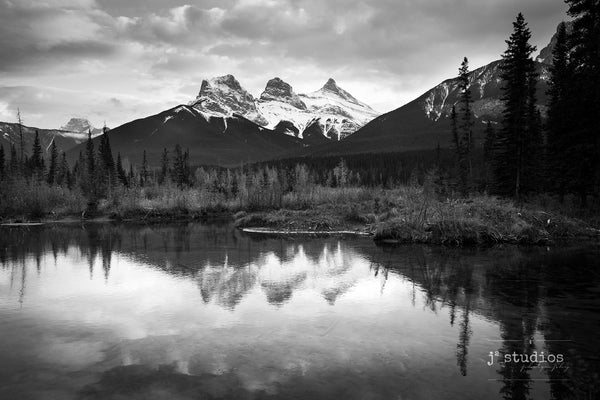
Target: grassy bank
[(410, 214)]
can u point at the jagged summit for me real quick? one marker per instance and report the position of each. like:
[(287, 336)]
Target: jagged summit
[(338, 113), (331, 85), (279, 90), (331, 88), (223, 96)]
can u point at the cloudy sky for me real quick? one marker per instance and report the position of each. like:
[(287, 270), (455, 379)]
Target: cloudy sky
[(115, 60)]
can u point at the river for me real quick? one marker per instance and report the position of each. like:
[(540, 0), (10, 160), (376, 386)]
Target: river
[(189, 311)]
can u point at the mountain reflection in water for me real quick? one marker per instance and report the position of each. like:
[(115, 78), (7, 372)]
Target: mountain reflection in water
[(204, 311)]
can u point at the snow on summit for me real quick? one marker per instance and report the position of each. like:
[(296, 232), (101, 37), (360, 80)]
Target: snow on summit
[(336, 111)]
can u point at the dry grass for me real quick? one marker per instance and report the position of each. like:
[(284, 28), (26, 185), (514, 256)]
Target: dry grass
[(27, 201)]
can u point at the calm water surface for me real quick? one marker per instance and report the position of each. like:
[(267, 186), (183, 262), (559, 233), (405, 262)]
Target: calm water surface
[(203, 312)]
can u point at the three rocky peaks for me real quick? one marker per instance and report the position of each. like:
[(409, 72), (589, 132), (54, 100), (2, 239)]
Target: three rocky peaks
[(330, 112)]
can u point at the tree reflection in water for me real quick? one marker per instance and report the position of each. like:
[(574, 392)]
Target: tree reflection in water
[(541, 299)]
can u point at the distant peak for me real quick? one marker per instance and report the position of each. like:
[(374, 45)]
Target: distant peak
[(77, 124), (331, 85)]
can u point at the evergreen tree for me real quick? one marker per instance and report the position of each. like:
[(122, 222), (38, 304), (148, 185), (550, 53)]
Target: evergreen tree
[(122, 176), (460, 160), (534, 156), (467, 120), (164, 166), (62, 173), (51, 176), (21, 141), (558, 146), (36, 162), (90, 170), (584, 103), (179, 167), (513, 141), (106, 165), (462, 131)]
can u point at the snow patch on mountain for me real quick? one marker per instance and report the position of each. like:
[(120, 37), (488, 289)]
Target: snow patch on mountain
[(223, 96), (80, 126), (485, 84), (279, 107)]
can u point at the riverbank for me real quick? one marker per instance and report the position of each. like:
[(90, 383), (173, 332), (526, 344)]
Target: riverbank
[(408, 214)]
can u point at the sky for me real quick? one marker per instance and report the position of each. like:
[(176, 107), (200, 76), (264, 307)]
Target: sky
[(114, 61)]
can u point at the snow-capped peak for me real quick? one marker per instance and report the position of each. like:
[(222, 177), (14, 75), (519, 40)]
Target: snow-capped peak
[(279, 107), (278, 90), (223, 96), (80, 125)]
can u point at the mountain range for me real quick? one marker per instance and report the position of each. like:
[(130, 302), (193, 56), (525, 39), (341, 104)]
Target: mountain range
[(226, 125), (333, 111)]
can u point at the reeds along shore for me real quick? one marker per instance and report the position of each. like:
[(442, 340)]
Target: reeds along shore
[(425, 211)]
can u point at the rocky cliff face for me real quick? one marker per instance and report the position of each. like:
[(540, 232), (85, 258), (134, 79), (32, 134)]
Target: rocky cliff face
[(278, 90)]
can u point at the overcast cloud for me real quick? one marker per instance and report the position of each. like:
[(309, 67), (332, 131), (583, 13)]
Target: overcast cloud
[(114, 60)]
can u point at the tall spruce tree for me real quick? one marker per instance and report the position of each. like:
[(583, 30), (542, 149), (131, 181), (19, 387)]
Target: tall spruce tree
[(52, 167), (513, 141), (462, 126), (534, 143), (87, 182), (558, 169), (467, 117), (36, 163), (460, 155), (106, 166), (21, 140), (488, 148), (584, 103), (179, 167)]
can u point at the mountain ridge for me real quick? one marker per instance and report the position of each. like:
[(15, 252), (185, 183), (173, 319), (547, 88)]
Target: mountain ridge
[(338, 113)]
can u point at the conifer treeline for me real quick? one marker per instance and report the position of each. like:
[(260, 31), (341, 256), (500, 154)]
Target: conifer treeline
[(524, 156)]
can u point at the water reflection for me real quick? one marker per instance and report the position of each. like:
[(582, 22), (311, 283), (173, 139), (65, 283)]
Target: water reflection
[(183, 311)]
